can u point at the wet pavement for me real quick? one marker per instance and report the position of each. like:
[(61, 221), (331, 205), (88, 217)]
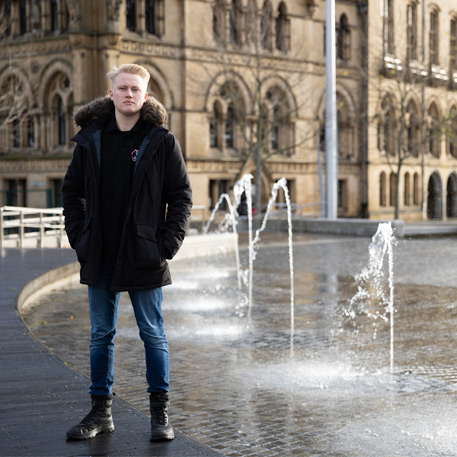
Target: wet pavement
[(41, 397), (241, 386)]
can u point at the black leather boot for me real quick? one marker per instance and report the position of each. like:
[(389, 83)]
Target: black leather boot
[(161, 430), (99, 420)]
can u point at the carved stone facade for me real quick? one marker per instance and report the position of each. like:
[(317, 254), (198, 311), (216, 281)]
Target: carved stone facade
[(243, 79)]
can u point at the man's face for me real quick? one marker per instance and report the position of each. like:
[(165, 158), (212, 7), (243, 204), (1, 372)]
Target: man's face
[(128, 93)]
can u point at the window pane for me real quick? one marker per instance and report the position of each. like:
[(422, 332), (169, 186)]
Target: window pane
[(150, 16), (131, 15)]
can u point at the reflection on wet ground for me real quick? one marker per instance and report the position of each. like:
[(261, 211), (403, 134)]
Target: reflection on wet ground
[(237, 386)]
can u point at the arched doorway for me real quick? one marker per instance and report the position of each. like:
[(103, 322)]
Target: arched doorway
[(434, 197), (451, 196)]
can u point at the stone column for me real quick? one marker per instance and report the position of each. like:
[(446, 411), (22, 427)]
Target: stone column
[(141, 17), (15, 29), (44, 16)]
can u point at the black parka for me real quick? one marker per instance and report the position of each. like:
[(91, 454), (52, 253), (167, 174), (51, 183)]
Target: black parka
[(160, 201)]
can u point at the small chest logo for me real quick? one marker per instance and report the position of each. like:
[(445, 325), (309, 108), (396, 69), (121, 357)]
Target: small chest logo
[(134, 154)]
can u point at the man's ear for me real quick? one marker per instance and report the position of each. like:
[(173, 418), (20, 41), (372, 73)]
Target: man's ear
[(145, 96), (111, 94)]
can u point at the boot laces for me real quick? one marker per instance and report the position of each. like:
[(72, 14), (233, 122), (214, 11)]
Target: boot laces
[(95, 416), (159, 416)]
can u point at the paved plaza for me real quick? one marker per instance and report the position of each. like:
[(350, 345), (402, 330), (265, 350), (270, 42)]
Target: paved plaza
[(41, 397), (242, 386)]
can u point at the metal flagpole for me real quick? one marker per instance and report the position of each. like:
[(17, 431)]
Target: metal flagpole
[(331, 138)]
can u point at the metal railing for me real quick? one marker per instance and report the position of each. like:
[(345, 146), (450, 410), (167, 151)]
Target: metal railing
[(19, 224), (26, 227)]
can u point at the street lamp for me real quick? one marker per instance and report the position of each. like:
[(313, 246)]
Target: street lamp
[(331, 135)]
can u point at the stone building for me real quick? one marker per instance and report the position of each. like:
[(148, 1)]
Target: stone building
[(244, 84)]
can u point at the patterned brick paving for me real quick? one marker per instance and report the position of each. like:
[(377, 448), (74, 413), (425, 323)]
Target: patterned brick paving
[(237, 386)]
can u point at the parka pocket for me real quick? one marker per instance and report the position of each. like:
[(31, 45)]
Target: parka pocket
[(83, 241), (148, 247)]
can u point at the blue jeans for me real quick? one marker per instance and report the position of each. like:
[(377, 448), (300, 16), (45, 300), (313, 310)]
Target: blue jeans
[(103, 306)]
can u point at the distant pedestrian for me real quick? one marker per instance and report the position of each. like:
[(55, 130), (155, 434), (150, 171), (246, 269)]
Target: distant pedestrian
[(126, 198)]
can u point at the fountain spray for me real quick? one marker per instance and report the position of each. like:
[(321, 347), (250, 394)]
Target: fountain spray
[(381, 245), (282, 183), (244, 185), (232, 219)]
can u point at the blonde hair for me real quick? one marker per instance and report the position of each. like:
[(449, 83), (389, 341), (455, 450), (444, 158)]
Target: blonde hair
[(131, 68)]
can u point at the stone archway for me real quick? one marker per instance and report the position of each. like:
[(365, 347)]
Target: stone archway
[(451, 196), (434, 197)]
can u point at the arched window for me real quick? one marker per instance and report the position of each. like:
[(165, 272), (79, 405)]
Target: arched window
[(451, 196), (411, 31), (228, 118), (278, 130), (413, 130), (282, 29), (235, 21), (407, 190), (214, 127), (388, 127), (13, 106), (30, 132), (452, 134), (388, 27), (61, 128), (434, 131), (393, 188), (387, 138), (151, 26), (434, 38), (453, 45), (416, 195), (22, 17), (229, 127), (345, 129), (435, 197), (382, 189), (219, 22), (130, 11), (54, 13), (58, 103), (379, 136), (16, 133), (344, 39), (274, 133), (266, 26)]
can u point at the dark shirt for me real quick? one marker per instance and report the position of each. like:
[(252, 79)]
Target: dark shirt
[(117, 168)]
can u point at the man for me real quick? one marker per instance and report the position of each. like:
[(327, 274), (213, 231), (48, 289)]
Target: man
[(126, 198)]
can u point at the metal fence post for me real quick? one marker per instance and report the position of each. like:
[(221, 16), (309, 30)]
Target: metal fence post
[(21, 229), (61, 230), (1, 227), (41, 241)]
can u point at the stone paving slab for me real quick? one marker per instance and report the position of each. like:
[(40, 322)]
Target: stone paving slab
[(41, 397)]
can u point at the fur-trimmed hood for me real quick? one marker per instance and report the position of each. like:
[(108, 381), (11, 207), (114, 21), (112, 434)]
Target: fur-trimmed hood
[(103, 108)]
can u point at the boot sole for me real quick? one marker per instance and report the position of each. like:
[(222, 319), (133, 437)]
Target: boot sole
[(163, 437), (92, 434)]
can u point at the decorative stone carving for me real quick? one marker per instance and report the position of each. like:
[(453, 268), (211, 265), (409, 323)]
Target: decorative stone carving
[(35, 15), (112, 8), (74, 10), (312, 7)]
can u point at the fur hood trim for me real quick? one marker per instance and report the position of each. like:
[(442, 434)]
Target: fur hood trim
[(103, 108)]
